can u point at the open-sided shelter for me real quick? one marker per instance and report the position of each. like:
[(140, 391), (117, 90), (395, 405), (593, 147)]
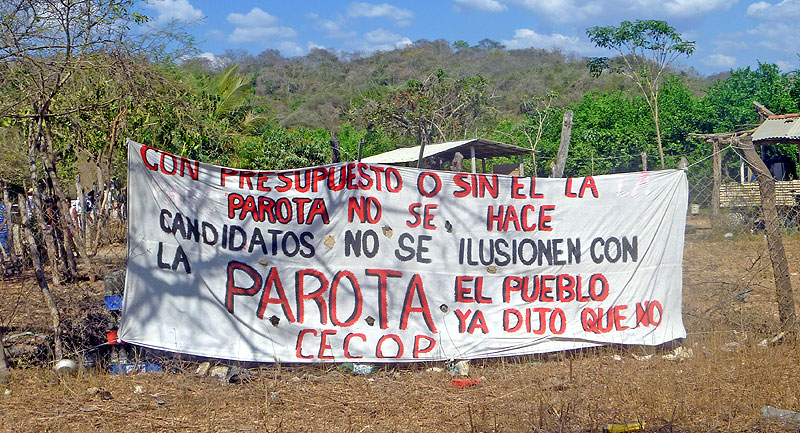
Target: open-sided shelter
[(476, 148)]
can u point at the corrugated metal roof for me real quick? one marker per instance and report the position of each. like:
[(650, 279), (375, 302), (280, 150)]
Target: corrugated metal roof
[(483, 149), (785, 127)]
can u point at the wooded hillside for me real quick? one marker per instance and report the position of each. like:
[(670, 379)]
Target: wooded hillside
[(271, 112)]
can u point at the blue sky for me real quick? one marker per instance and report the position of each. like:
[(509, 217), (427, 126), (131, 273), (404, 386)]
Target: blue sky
[(729, 33)]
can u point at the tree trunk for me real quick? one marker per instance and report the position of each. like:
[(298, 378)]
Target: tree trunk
[(644, 161), (4, 373), (39, 209), (49, 160), (421, 150), (42, 281), (99, 211), (717, 179), (658, 136), (563, 147), (777, 254), (68, 251), (335, 153)]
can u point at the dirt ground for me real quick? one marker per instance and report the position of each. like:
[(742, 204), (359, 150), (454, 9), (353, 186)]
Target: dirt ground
[(729, 308)]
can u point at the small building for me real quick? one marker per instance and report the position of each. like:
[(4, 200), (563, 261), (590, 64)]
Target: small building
[(448, 155), (783, 128)]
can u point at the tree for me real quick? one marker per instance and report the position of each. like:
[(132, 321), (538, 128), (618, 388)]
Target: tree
[(537, 109), (489, 45), (438, 108), (609, 133), (45, 47), (729, 102), (460, 45), (646, 49)]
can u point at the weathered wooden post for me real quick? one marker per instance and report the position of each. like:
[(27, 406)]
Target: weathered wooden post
[(563, 146), (644, 161), (777, 253), (472, 157), (336, 155), (717, 181)]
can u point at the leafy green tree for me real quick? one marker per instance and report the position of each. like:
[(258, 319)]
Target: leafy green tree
[(646, 49), (460, 45), (609, 133), (278, 148), (374, 142), (230, 98), (728, 103)]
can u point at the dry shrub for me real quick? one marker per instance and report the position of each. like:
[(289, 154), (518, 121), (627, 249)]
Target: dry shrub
[(721, 388)]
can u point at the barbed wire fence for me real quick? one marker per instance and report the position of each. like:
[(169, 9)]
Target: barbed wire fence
[(731, 270), (731, 258)]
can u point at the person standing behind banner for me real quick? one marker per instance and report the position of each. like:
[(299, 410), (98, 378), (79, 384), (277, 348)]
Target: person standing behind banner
[(74, 213), (3, 227)]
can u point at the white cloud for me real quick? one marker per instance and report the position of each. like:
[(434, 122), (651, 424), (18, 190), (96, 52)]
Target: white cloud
[(526, 38), (381, 36), (209, 56), (379, 40), (736, 41), (719, 61), (785, 10), (255, 18), (483, 5), (289, 48), (214, 61), (561, 11), (786, 66), (402, 17), (688, 8), (579, 12), (774, 36), (175, 10), (332, 28), (257, 26), (215, 34)]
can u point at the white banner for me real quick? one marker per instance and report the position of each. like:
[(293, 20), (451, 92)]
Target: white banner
[(378, 263)]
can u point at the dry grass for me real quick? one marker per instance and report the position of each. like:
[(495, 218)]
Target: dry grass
[(722, 388)]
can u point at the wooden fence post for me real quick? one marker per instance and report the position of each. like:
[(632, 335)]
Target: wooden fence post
[(563, 146), (717, 181), (335, 153), (777, 254)]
